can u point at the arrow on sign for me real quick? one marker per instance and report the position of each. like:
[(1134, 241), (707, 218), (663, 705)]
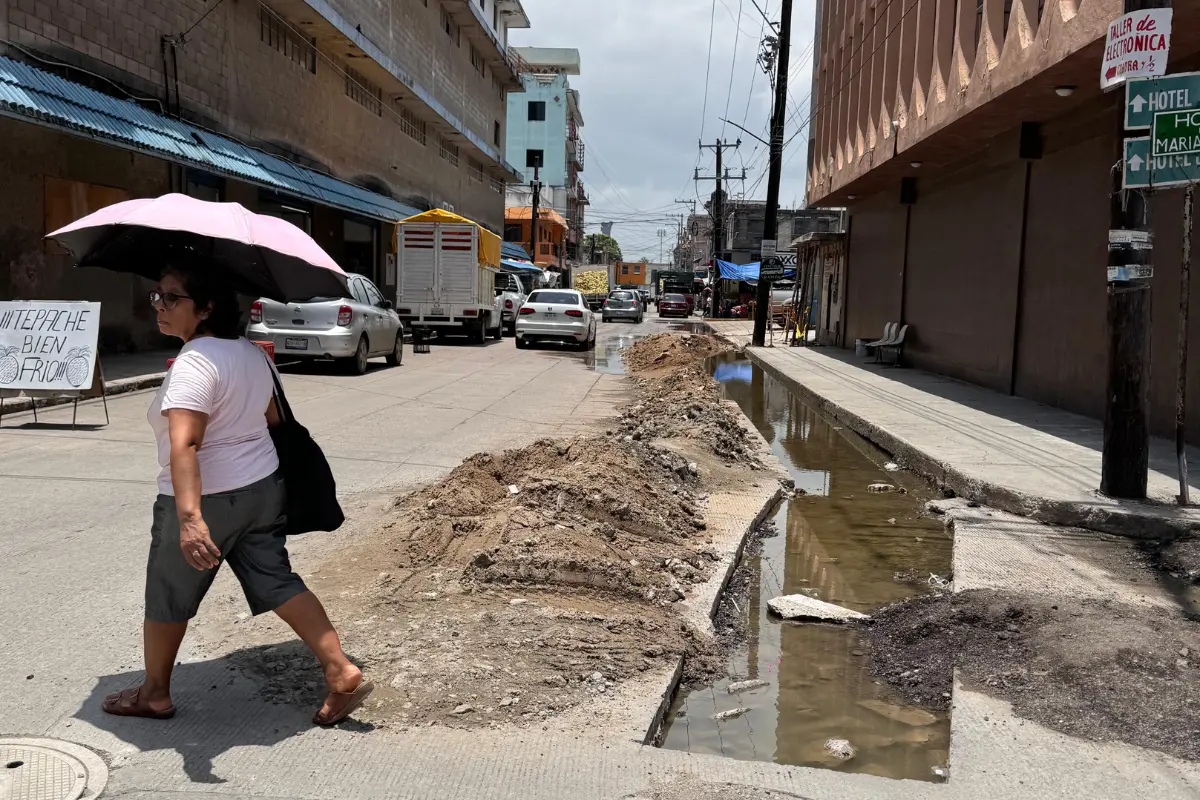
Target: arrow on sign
[(1135, 163), (1137, 103)]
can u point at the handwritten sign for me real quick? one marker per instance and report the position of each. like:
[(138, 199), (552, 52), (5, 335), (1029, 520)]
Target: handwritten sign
[(48, 346), (1136, 46)]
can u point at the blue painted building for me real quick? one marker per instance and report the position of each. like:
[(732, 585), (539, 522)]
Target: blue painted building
[(543, 129)]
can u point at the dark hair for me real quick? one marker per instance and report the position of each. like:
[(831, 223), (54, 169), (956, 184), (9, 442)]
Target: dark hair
[(208, 290)]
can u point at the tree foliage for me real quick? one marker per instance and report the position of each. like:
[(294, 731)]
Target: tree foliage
[(607, 249)]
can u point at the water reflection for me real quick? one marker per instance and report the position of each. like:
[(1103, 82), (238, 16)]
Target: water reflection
[(843, 544)]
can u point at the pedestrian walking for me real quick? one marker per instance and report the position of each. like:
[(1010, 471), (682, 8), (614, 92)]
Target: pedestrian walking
[(221, 497)]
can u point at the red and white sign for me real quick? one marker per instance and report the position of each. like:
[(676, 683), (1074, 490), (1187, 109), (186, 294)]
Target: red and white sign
[(1136, 46)]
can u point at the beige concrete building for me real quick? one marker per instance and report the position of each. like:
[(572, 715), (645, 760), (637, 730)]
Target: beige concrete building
[(973, 148), (339, 115)]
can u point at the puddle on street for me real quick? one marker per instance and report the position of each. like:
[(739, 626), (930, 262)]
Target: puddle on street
[(841, 544), (607, 355)]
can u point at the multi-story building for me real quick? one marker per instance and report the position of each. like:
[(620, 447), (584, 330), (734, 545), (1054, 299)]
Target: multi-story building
[(341, 116), (695, 248), (975, 151), (543, 131), (746, 221)]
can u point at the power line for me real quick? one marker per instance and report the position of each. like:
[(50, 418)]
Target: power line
[(733, 66), (712, 21)]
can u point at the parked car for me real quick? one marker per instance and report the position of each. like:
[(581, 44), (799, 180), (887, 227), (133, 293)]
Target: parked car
[(510, 296), (623, 304), (673, 305), (556, 315), (350, 330)]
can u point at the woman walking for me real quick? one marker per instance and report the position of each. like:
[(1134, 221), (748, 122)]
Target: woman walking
[(220, 498)]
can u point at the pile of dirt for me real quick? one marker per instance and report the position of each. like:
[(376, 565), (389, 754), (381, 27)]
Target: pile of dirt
[(1181, 559), (527, 582), (585, 513), (677, 399), (664, 351), (1095, 669), (521, 584)]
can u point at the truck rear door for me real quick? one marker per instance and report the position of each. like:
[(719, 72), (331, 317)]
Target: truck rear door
[(418, 265), (458, 266)]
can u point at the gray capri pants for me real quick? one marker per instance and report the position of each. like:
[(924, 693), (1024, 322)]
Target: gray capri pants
[(245, 525)]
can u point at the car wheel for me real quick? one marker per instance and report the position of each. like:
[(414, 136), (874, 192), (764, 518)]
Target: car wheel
[(521, 343), (357, 363), (395, 357), (511, 330), (498, 334), (591, 345)]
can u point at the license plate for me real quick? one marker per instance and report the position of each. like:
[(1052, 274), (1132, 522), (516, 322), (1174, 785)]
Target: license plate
[(549, 314), (437, 312), (295, 344)]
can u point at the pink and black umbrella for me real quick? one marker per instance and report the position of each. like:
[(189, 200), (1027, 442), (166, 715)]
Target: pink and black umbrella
[(261, 256)]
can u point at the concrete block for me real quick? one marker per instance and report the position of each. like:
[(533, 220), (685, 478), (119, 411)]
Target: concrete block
[(801, 606)]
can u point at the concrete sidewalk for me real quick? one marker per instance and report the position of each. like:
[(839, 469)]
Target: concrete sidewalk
[(1008, 452)]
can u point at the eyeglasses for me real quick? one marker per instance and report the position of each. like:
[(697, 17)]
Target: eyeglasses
[(167, 300)]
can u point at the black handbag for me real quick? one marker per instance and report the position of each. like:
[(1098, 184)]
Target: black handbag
[(312, 503)]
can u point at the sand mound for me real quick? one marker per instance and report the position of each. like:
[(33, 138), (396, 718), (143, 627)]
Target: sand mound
[(664, 351)]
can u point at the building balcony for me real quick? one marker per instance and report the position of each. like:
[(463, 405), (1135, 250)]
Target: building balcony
[(575, 152), (482, 31)]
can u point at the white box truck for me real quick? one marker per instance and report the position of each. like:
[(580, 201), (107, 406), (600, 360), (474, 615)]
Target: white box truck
[(446, 271)]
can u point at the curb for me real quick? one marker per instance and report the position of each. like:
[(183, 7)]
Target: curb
[(137, 383), (1135, 521)]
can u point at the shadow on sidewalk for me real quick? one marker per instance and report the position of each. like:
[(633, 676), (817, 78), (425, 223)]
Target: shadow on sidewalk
[(221, 705)]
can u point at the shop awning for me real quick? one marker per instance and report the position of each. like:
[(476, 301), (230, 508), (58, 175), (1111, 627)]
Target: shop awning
[(523, 266), (31, 95), (745, 272), (514, 251)]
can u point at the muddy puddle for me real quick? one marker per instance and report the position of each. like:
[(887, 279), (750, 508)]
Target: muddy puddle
[(842, 544), (607, 355)]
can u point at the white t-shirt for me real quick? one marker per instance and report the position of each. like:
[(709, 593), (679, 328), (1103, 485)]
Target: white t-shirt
[(230, 380)]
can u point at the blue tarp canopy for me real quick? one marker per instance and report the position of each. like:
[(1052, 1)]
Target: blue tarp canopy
[(520, 265), (514, 251), (740, 371), (745, 272)]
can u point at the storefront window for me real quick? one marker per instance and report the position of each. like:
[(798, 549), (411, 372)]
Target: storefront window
[(360, 250)]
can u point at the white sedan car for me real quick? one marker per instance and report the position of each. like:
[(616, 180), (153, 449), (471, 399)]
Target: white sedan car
[(349, 330), (556, 315)]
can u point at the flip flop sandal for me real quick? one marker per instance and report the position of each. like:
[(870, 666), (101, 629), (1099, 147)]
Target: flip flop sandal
[(343, 704), (125, 704)]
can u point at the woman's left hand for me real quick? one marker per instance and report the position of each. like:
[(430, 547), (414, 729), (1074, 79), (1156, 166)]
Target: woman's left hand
[(197, 544)]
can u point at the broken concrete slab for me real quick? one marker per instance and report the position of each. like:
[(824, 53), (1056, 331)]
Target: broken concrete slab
[(801, 606), (746, 686)]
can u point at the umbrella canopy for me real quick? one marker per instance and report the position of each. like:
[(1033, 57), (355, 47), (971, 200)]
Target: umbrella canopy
[(261, 256)]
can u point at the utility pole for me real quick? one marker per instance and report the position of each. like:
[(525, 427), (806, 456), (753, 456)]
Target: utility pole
[(1124, 462), (592, 260), (778, 118), (536, 186), (717, 212), (662, 234)]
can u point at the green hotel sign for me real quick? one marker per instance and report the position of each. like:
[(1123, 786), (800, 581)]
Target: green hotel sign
[(1176, 133)]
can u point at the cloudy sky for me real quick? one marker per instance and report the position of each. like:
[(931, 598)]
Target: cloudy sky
[(643, 96)]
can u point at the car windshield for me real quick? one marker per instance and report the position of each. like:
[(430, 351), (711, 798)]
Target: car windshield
[(555, 298), (620, 296), (675, 298)]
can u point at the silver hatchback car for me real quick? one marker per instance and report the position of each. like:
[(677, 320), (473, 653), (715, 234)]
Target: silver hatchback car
[(623, 304), (351, 330)]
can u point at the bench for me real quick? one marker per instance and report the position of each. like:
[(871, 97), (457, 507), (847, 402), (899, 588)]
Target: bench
[(895, 347), (892, 342)]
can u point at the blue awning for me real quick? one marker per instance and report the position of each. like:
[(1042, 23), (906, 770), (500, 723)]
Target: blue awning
[(524, 266), (42, 98), (514, 251), (745, 272)]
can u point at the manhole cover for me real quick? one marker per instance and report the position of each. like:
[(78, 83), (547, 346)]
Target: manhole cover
[(45, 769)]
